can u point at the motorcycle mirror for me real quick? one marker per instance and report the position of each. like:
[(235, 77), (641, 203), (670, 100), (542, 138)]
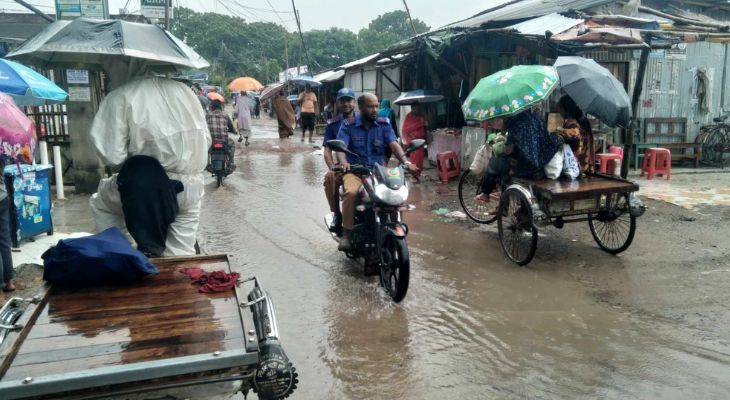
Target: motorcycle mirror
[(415, 145), (338, 145)]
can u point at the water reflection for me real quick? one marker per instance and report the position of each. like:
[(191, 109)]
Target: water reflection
[(368, 344), (310, 171)]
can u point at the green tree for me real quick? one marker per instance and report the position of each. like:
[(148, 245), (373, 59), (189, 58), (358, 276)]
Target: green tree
[(233, 46), (327, 48), (388, 29)]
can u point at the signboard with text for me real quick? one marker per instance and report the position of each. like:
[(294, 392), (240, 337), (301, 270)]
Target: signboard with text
[(70, 9), (292, 72), (154, 8)]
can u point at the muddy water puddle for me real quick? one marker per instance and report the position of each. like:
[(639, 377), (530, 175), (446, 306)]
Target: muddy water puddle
[(472, 325)]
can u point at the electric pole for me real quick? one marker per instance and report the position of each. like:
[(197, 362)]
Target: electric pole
[(35, 10), (413, 27), (168, 4)]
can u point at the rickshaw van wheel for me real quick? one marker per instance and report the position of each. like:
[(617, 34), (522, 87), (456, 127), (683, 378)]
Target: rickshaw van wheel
[(517, 232)]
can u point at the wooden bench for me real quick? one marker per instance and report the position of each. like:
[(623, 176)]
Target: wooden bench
[(669, 133), (682, 154)]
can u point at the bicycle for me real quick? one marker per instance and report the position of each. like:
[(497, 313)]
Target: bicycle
[(715, 140)]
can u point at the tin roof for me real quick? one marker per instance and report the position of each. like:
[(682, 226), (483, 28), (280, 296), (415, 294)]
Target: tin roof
[(359, 62), (554, 23), (330, 76), (521, 9)]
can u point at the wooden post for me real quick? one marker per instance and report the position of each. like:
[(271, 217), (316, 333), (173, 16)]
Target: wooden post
[(638, 87)]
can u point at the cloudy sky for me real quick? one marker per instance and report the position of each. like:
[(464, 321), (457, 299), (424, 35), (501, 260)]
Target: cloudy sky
[(315, 14)]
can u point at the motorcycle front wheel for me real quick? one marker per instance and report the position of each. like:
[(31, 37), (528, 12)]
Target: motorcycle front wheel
[(396, 268)]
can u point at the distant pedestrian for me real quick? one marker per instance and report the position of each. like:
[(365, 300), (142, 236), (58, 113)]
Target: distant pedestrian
[(6, 258), (414, 127), (308, 101), (387, 112), (284, 115), (243, 116), (257, 107)]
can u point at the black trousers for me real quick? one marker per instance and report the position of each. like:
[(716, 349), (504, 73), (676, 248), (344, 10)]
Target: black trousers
[(6, 256)]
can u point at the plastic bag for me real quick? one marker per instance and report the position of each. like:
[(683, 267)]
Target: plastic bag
[(571, 169), (481, 159), (555, 166)]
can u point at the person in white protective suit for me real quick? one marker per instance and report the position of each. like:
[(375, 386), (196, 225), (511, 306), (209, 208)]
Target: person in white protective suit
[(156, 117)]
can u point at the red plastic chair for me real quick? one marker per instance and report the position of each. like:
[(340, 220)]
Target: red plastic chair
[(657, 161), (448, 165)]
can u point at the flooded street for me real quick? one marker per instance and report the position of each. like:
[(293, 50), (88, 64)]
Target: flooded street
[(576, 323)]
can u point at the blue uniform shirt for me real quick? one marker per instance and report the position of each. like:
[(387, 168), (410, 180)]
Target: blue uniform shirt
[(333, 126), (368, 144)]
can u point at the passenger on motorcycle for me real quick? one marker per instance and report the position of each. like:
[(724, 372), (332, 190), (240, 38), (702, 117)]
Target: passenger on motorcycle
[(220, 125), (366, 136), (332, 181)]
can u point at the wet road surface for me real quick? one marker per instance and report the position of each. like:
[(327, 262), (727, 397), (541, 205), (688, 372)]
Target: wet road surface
[(576, 323)]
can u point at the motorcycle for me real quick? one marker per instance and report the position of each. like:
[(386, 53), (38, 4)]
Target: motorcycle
[(218, 162), (379, 234)]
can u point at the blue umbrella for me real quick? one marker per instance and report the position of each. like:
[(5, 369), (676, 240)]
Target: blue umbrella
[(419, 96), (303, 80), (27, 87)]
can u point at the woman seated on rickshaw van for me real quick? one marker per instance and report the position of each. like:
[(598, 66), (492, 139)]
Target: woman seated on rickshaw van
[(577, 133), (527, 149)]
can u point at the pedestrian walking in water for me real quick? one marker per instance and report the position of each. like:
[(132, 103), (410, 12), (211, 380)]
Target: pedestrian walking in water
[(257, 107), (243, 116), (284, 115), (308, 101)]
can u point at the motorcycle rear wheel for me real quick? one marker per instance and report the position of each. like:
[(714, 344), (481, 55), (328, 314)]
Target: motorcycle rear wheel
[(219, 179), (396, 268)]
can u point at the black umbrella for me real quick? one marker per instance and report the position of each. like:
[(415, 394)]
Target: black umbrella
[(84, 43), (595, 90)]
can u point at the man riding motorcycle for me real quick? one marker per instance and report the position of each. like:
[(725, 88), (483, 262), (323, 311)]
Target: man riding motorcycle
[(220, 125), (332, 181), (367, 136)]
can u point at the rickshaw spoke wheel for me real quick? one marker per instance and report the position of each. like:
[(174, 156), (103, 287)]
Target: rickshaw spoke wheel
[(517, 233), (478, 211), (613, 228)]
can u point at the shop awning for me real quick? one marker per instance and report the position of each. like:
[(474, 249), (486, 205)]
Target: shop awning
[(330, 76), (359, 62)]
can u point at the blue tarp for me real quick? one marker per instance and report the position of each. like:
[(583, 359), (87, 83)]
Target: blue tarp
[(106, 258)]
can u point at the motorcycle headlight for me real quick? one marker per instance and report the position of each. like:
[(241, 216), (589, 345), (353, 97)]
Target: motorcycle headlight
[(391, 197)]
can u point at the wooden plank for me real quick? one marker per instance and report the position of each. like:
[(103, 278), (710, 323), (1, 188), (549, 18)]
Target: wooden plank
[(58, 309), (586, 187), (66, 347), (14, 340), (90, 363), (161, 316), (88, 327), (119, 316)]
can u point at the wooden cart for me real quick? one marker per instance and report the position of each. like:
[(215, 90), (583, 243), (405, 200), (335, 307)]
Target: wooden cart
[(155, 338), (607, 203)]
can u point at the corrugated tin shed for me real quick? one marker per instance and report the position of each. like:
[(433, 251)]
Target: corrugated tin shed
[(359, 62), (330, 76), (520, 9), (554, 23)]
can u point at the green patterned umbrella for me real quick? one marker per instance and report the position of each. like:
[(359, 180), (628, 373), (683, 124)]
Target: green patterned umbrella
[(509, 91)]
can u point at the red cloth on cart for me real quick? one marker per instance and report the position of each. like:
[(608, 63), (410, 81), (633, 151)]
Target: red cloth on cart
[(212, 282)]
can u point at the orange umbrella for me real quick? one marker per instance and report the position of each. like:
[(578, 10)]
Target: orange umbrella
[(244, 84), (216, 96)]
